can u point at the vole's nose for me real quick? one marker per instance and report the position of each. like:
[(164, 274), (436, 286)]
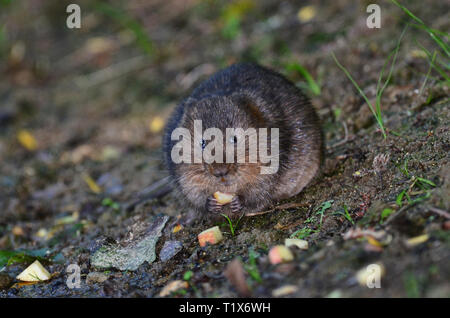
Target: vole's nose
[(220, 171)]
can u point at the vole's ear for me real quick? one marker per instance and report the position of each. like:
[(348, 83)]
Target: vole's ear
[(250, 106)]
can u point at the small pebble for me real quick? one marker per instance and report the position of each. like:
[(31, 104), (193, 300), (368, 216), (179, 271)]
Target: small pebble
[(301, 244), (169, 250), (96, 277)]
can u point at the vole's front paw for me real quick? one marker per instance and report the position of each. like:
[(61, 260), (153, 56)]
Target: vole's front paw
[(236, 205), (212, 205)]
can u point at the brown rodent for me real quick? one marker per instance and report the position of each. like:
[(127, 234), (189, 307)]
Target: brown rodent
[(246, 95)]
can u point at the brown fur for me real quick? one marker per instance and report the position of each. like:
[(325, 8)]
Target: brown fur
[(248, 96)]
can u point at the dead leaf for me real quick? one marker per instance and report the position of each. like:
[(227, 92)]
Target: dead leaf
[(234, 272)]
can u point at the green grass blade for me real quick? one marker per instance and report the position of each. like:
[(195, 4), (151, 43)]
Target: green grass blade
[(312, 84), (390, 71), (433, 34), (378, 118), (130, 23), (428, 73)]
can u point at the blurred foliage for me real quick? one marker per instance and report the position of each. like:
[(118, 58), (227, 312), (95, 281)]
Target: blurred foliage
[(22, 256), (311, 85), (128, 22), (232, 16), (3, 40), (5, 3)]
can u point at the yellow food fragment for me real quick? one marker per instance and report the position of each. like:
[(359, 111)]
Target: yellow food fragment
[(27, 140), (156, 125), (306, 13), (177, 228), (373, 242), (417, 240), (280, 254), (34, 273), (91, 184), (211, 236), (284, 290), (17, 231), (223, 198)]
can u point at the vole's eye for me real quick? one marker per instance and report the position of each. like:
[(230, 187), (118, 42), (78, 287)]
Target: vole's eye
[(203, 143)]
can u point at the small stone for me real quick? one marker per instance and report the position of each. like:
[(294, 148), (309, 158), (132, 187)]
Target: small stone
[(301, 244), (96, 277), (169, 250), (132, 252)]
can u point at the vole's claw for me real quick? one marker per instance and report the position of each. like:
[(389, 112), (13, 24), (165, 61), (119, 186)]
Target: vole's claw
[(212, 205), (236, 205)]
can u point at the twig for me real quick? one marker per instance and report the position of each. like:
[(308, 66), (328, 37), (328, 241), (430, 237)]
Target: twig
[(343, 141), (112, 72), (397, 214), (443, 213), (289, 205)]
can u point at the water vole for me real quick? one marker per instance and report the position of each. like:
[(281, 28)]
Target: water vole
[(246, 96)]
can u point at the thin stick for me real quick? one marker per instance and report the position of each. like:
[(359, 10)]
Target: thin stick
[(443, 213)]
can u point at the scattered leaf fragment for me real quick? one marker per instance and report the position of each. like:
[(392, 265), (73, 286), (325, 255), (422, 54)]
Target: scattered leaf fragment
[(234, 272), (98, 45), (357, 174), (301, 244), (91, 184), (109, 153), (27, 140), (68, 219), (172, 287), (34, 273), (280, 254), (156, 125), (307, 13), (43, 233), (177, 228), (373, 242), (17, 231), (417, 240), (284, 290), (358, 232), (211, 236)]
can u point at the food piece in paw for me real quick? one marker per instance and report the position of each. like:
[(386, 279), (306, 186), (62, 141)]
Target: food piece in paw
[(223, 198)]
